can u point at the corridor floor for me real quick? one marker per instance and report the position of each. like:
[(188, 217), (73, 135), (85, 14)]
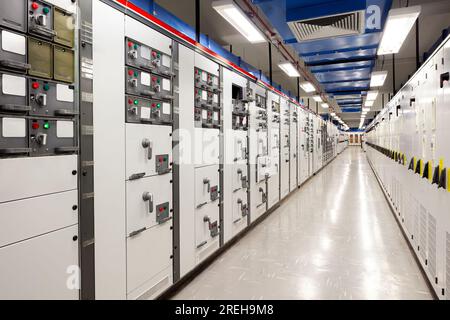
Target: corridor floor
[(334, 238)]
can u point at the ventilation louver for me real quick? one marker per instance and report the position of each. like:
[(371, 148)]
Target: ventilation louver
[(327, 27)]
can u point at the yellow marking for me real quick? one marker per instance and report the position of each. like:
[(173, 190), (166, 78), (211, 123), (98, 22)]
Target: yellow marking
[(430, 171), (441, 166), (448, 180)]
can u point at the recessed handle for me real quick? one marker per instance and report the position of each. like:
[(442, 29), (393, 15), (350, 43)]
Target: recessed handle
[(147, 144), (147, 196)]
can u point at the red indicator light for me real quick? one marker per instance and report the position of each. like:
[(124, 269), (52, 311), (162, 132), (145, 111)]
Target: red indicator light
[(154, 54), (153, 105), (161, 209), (130, 72), (130, 101), (35, 125), (35, 6), (130, 44), (35, 85)]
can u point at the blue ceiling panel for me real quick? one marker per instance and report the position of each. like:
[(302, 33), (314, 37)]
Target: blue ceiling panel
[(345, 86), (338, 44), (319, 58), (344, 66), (343, 75), (349, 101), (351, 110)]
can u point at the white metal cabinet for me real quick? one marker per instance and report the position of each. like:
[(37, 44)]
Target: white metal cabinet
[(145, 145)]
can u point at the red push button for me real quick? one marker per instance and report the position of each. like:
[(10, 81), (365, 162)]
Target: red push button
[(34, 6), (35, 85), (161, 209), (35, 125), (130, 44), (130, 72)]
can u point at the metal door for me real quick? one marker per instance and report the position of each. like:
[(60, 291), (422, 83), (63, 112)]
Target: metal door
[(13, 14), (40, 58), (64, 64)]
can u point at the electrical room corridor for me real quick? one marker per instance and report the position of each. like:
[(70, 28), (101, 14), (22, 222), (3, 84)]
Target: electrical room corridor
[(334, 238)]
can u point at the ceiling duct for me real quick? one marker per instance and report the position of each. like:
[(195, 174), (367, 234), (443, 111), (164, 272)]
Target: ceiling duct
[(343, 24)]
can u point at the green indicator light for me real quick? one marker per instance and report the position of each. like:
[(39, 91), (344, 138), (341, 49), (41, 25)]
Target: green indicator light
[(159, 56), (46, 87), (136, 102), (159, 81), (136, 46), (159, 105), (136, 73), (46, 10), (46, 125)]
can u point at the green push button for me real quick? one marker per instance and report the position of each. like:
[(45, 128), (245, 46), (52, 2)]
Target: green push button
[(46, 87), (46, 10), (46, 125)]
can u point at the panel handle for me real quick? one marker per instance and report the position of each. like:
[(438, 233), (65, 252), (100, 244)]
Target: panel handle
[(147, 196)]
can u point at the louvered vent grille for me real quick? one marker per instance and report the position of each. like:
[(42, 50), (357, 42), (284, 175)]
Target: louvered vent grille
[(327, 27)]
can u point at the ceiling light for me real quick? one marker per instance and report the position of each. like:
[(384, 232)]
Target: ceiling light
[(378, 78), (289, 69), (325, 105), (239, 20), (307, 86), (317, 98), (369, 103), (372, 95), (398, 25)]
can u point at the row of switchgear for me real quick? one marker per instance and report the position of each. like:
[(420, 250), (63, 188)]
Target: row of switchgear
[(407, 146), (186, 155), (39, 146)]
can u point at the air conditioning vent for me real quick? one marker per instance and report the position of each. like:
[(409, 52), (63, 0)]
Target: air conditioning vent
[(327, 27)]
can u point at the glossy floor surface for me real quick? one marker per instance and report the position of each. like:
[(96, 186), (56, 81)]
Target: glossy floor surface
[(334, 238)]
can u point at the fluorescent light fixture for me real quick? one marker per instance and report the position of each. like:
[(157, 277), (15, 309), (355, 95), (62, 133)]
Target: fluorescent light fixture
[(289, 69), (317, 98), (372, 95), (398, 25), (307, 86), (369, 103), (325, 105), (378, 78), (239, 20)]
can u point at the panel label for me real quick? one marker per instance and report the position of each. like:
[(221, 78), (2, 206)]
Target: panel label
[(166, 61), (145, 79), (13, 42), (166, 85), (166, 108), (145, 53), (145, 113), (13, 85), (13, 128), (64, 93), (64, 129)]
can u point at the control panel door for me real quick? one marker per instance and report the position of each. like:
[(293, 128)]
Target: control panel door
[(206, 186), (149, 203), (63, 64), (13, 137), (13, 94), (148, 150), (147, 84), (262, 163), (13, 51), (207, 224), (41, 262), (40, 19), (240, 146), (148, 254), (13, 14), (240, 178), (44, 175), (207, 147), (40, 58), (51, 136), (51, 99), (64, 27), (240, 206)]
